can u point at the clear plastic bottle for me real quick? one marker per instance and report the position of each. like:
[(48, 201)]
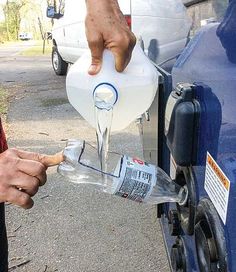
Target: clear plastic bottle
[(127, 177)]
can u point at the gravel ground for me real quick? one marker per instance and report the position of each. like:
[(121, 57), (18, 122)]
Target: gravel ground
[(71, 228)]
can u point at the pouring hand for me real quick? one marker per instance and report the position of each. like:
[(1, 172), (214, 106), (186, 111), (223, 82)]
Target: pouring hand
[(106, 28)]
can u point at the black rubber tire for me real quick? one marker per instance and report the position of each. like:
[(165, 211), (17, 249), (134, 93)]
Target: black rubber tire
[(58, 64)]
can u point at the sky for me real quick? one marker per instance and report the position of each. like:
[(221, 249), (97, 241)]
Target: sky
[(1, 13)]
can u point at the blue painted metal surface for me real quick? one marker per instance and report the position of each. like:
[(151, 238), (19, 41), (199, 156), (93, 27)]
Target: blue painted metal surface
[(209, 62)]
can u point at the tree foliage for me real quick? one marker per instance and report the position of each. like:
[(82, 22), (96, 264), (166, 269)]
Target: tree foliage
[(21, 15), (13, 18)]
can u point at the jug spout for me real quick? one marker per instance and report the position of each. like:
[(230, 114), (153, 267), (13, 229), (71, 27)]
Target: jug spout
[(105, 96)]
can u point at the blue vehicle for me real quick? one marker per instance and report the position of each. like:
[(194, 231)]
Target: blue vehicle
[(196, 145)]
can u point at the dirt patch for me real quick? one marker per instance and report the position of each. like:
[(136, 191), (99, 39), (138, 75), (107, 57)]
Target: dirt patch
[(3, 101)]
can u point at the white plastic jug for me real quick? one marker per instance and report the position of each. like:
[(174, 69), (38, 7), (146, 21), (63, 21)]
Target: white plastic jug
[(131, 91)]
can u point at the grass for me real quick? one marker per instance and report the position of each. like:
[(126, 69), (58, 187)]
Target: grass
[(3, 101), (54, 102), (37, 50)]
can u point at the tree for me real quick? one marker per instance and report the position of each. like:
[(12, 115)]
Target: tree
[(13, 17), (23, 15)]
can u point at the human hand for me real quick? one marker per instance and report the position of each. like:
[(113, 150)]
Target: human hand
[(21, 174), (106, 28)]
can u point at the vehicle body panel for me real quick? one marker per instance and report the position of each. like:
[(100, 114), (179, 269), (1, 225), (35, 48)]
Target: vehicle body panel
[(162, 27)]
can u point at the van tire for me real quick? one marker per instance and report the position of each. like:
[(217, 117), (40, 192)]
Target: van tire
[(58, 64)]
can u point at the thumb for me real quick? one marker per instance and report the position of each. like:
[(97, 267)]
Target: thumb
[(96, 54), (46, 160), (52, 160), (121, 60)]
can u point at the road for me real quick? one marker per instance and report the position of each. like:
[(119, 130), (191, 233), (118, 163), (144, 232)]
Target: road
[(13, 49), (71, 228)]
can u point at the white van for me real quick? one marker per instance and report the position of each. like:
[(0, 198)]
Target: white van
[(25, 36), (163, 26)]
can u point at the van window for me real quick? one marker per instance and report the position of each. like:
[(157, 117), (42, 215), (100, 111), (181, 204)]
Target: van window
[(205, 12)]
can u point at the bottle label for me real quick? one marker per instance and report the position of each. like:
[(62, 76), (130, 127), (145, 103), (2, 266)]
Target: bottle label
[(136, 180)]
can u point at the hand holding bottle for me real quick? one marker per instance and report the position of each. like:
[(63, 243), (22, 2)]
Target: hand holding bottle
[(21, 174)]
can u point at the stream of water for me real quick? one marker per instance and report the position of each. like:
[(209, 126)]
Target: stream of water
[(103, 129)]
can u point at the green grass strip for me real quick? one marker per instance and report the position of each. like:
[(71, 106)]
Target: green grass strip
[(36, 50)]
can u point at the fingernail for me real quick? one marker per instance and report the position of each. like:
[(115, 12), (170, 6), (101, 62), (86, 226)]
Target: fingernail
[(93, 69)]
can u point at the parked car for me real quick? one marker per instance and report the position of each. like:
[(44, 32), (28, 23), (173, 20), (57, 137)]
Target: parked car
[(161, 25), (25, 36)]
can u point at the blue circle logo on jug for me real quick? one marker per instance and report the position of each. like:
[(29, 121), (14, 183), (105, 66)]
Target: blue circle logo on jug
[(105, 96)]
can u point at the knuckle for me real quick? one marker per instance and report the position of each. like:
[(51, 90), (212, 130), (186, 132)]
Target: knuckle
[(34, 191), (121, 40), (39, 168), (34, 186), (125, 42), (24, 200), (96, 60), (13, 149), (9, 155), (42, 179), (95, 42)]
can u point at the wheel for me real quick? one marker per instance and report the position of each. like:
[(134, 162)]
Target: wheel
[(58, 64)]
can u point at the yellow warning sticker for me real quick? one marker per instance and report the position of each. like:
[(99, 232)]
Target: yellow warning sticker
[(217, 186)]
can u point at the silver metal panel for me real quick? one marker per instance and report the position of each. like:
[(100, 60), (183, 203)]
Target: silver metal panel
[(149, 132)]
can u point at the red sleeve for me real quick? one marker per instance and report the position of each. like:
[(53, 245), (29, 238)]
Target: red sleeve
[(3, 142)]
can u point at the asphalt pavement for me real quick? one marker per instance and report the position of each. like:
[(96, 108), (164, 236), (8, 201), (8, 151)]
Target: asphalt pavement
[(71, 228)]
